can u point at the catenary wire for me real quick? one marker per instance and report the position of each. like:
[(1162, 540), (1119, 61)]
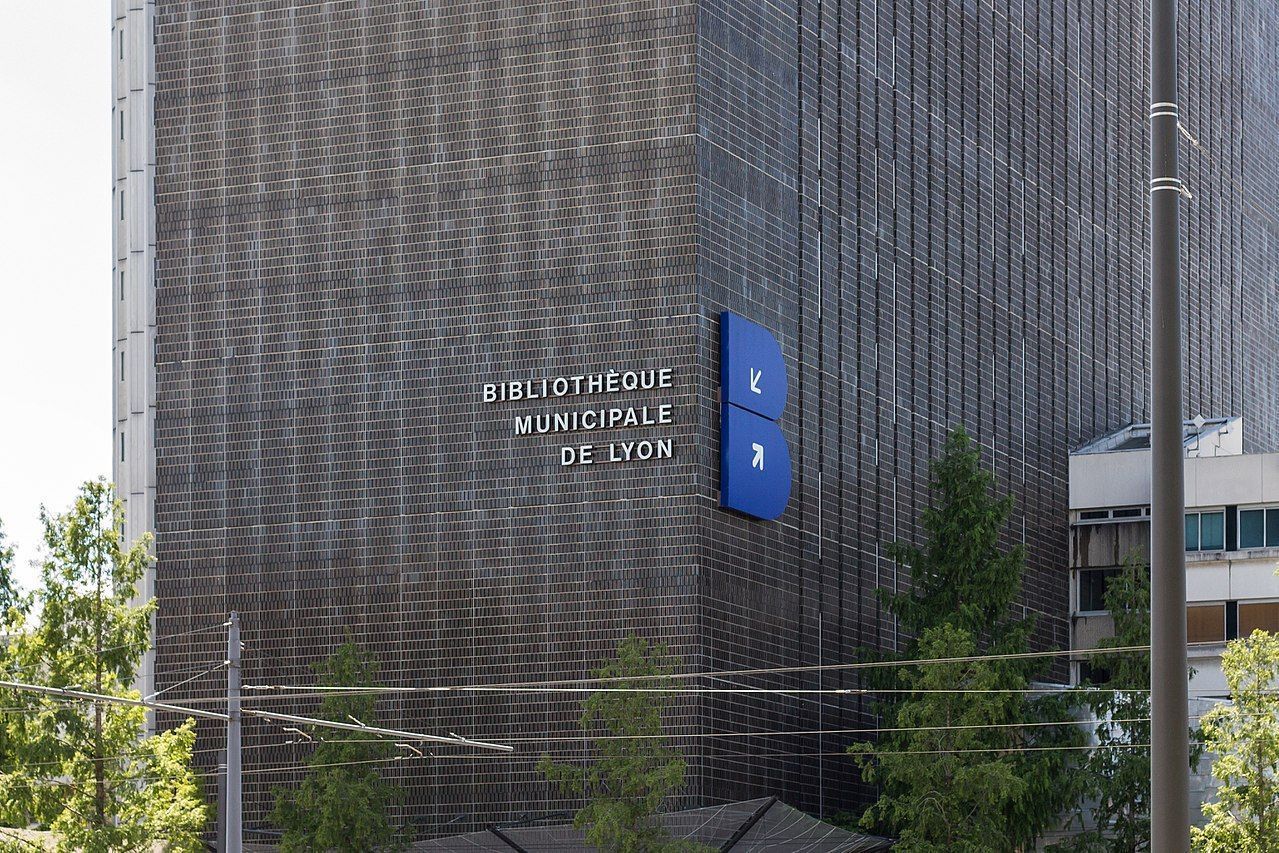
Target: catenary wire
[(150, 643), (735, 673), (195, 677)]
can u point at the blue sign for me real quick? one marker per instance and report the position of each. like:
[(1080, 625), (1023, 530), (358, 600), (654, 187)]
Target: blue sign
[(751, 371), (754, 464)]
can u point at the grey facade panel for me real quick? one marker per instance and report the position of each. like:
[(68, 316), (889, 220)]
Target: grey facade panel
[(368, 210)]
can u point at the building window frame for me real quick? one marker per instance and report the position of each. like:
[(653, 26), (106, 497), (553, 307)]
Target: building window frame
[(1112, 514), (1092, 590), (1269, 517), (1194, 530)]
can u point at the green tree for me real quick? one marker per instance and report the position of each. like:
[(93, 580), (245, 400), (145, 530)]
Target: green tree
[(342, 804), (8, 618), (964, 589), (1244, 738), (1117, 775), (8, 587), (951, 779), (636, 770), (85, 770)]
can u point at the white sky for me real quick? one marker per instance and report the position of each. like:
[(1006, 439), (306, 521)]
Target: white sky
[(55, 259)]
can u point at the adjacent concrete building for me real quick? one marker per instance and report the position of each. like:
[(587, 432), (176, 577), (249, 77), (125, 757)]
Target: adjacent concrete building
[(340, 222), (1232, 538)]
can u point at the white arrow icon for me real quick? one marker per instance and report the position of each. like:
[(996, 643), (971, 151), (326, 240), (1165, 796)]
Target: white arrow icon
[(758, 461), (756, 375)]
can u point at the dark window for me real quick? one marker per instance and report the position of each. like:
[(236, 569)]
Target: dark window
[(1093, 672), (1205, 531), (1092, 588), (1252, 528), (1212, 531), (1272, 528), (1127, 512), (1094, 514)]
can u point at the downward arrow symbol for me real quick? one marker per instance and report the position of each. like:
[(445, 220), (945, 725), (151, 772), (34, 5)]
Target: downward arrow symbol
[(756, 375), (758, 461)]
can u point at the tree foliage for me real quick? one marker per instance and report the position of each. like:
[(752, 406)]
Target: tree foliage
[(8, 618), (343, 803), (1116, 777), (85, 770), (1244, 738), (964, 589), (636, 771), (8, 587), (950, 778)]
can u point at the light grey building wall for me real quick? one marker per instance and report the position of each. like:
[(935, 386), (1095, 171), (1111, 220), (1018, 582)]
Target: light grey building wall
[(133, 264)]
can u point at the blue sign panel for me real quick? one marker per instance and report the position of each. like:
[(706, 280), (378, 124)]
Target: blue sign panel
[(754, 464), (752, 373)]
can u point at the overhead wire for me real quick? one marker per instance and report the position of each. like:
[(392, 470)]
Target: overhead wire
[(196, 677), (150, 644), (717, 674)]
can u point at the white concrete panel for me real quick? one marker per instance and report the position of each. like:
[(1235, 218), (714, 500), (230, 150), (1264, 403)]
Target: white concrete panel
[(1269, 465), (1223, 480), (1208, 582), (1208, 677), (1121, 478), (1254, 579)]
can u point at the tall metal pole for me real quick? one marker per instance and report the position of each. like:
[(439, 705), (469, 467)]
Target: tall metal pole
[(1169, 714), (234, 831)]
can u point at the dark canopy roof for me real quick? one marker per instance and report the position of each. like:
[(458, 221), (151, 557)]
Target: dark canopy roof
[(753, 826)]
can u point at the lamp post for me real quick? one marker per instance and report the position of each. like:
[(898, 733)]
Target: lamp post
[(1169, 714)]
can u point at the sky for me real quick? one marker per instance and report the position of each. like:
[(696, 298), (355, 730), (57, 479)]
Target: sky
[(55, 243)]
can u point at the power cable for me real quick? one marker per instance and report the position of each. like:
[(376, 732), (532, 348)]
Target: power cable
[(733, 673)]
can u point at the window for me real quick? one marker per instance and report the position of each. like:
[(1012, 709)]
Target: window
[(121, 365), (121, 285), (1212, 531), (122, 447), (1252, 528), (1093, 672), (1108, 514), (1259, 528), (122, 124), (1206, 623), (1092, 588), (1206, 531), (1261, 615)]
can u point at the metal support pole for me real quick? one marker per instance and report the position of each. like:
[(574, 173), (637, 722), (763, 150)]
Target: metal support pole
[(1169, 724), (234, 830)]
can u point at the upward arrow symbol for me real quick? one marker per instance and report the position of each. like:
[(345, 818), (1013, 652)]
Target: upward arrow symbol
[(758, 461), (756, 375)]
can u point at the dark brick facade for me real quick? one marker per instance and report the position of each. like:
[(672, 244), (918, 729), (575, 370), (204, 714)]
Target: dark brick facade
[(367, 209)]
